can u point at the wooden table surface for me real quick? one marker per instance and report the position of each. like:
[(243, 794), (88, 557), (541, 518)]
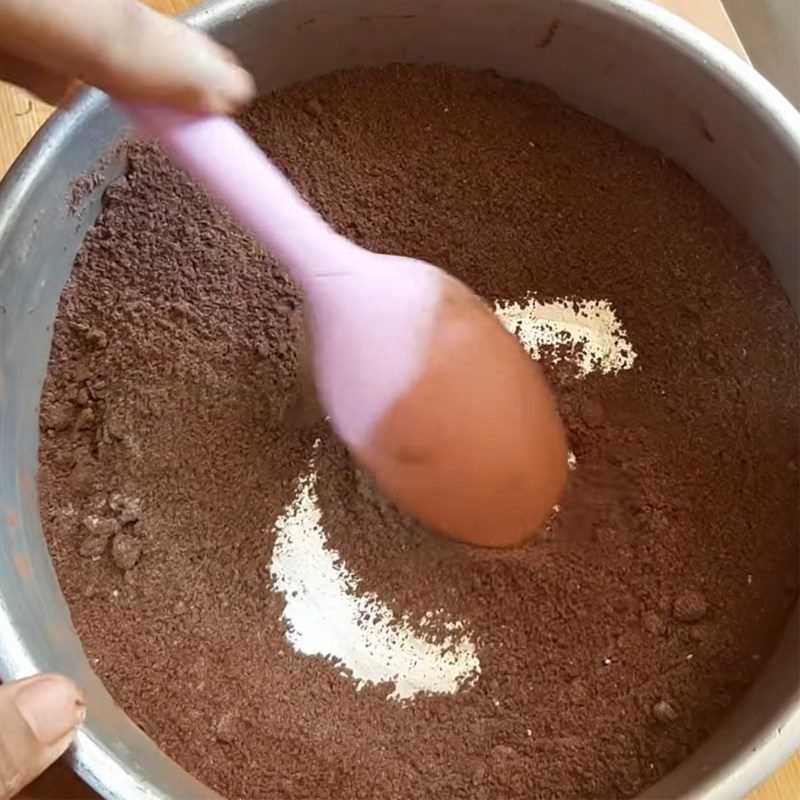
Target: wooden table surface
[(21, 117)]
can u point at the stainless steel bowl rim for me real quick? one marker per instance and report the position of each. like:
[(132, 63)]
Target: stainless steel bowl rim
[(89, 757)]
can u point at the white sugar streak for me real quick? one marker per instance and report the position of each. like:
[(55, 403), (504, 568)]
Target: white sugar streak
[(326, 617), (324, 613), (589, 328)]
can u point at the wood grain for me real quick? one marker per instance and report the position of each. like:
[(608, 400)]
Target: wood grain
[(21, 117)]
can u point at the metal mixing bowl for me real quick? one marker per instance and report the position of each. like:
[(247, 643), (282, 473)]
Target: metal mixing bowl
[(629, 63)]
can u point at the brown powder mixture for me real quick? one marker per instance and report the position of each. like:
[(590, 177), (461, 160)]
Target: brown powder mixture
[(612, 644)]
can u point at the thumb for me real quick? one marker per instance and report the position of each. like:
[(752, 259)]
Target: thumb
[(126, 49), (38, 719)]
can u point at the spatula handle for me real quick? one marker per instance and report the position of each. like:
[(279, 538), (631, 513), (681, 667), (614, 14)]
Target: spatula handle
[(224, 159)]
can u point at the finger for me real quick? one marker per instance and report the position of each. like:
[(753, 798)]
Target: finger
[(43, 83), (127, 50), (38, 719)]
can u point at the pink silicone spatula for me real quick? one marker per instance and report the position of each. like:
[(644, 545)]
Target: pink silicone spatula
[(422, 383)]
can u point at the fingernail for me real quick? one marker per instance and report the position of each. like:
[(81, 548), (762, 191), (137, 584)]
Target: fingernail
[(227, 54), (234, 87), (52, 706)]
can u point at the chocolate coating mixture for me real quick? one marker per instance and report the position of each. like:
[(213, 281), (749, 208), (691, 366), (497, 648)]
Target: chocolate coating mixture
[(612, 643)]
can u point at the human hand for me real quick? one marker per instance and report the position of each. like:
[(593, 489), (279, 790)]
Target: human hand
[(50, 46), (38, 720)]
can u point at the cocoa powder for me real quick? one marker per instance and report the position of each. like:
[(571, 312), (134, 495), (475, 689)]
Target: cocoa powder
[(612, 643)]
